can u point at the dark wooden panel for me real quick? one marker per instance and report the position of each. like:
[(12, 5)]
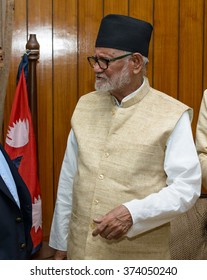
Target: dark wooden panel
[(190, 54), (19, 40), (116, 7), (65, 77), (166, 46), (40, 23), (205, 47), (90, 14), (144, 11)]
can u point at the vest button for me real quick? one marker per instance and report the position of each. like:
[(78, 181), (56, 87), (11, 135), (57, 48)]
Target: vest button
[(18, 219), (23, 245), (96, 201), (101, 176), (106, 155)]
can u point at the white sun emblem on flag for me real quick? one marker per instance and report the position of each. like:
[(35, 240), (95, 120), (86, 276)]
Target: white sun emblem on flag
[(18, 134), (37, 213)]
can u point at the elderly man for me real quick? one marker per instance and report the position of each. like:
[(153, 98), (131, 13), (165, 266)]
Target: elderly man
[(130, 165)]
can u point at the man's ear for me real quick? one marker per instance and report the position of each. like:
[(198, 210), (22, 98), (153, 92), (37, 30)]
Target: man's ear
[(138, 62)]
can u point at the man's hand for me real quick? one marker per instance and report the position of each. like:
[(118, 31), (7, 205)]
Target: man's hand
[(60, 255), (114, 224)]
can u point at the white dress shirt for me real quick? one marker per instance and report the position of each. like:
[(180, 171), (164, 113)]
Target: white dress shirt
[(8, 178), (182, 189)]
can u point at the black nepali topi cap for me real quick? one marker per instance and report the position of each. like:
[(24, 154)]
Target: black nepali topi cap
[(124, 33)]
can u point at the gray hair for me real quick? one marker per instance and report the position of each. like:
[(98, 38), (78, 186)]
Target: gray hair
[(145, 60), (144, 69)]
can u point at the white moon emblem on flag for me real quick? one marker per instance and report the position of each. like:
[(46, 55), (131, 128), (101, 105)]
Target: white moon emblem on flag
[(18, 134), (37, 213)]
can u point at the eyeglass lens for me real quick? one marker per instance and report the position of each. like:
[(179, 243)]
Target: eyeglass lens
[(103, 64)]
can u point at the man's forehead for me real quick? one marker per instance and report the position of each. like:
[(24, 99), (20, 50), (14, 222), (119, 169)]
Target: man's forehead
[(108, 52)]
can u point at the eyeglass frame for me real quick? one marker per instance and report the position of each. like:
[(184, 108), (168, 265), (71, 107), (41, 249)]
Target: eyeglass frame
[(106, 60)]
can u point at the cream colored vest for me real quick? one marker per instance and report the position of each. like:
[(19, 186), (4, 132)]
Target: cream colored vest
[(120, 157)]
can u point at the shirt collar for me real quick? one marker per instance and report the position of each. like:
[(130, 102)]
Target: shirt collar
[(130, 96)]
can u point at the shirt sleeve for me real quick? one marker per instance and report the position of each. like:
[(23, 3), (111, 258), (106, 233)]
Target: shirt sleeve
[(63, 205), (183, 184)]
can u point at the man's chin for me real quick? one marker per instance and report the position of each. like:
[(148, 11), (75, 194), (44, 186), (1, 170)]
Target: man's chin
[(101, 87)]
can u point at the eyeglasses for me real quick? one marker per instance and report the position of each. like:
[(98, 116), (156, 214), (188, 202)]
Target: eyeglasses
[(103, 63)]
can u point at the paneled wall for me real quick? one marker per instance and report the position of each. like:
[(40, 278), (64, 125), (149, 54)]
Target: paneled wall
[(66, 31)]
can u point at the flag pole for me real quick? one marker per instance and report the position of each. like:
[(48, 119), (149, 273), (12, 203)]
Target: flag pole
[(32, 48)]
